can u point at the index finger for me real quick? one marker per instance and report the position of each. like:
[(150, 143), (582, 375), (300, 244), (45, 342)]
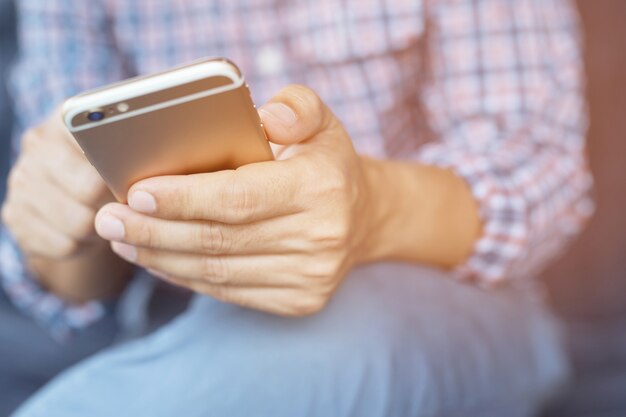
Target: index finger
[(252, 193), (52, 157)]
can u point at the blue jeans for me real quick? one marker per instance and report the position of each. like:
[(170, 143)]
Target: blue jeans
[(29, 357), (396, 340)]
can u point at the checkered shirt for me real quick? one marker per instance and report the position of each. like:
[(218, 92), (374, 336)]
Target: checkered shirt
[(491, 89)]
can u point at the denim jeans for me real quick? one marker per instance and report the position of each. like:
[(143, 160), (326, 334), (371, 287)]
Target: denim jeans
[(396, 340), (29, 358)]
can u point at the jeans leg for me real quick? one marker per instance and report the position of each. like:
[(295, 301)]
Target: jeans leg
[(29, 358), (396, 340)]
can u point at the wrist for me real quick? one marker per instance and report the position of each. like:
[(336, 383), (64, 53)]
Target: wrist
[(96, 273), (373, 213), (416, 213)]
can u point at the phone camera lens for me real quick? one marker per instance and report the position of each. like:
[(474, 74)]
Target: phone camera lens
[(95, 116)]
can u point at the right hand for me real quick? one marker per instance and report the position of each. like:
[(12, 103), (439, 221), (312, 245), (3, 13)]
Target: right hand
[(53, 195)]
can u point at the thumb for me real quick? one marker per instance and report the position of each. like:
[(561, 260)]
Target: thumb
[(296, 114)]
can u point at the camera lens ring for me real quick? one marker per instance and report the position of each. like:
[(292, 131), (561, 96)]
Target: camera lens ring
[(95, 115)]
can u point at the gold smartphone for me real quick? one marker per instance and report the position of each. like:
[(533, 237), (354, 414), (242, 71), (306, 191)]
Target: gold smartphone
[(192, 119)]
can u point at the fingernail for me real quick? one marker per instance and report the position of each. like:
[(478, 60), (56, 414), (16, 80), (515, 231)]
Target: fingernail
[(110, 227), (281, 112), (142, 202), (125, 251)]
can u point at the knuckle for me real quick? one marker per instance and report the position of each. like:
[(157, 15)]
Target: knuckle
[(332, 235), (307, 103), (307, 306), (82, 223), (212, 239), (224, 294), (8, 214), (215, 270), (326, 270), (238, 199), (327, 290), (141, 233), (29, 139), (17, 177), (65, 248), (90, 186), (305, 99), (339, 235), (336, 182)]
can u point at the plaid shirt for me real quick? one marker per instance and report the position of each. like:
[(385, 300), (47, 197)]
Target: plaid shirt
[(491, 89)]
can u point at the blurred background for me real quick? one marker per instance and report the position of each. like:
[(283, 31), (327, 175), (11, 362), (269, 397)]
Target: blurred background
[(7, 53), (587, 286)]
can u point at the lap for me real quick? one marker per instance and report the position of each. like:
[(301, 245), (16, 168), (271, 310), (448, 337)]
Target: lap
[(29, 357), (396, 340)]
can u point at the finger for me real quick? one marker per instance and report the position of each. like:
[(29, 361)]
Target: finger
[(262, 191), (77, 177), (49, 243), (296, 114), (63, 214), (55, 125), (118, 222), (55, 159), (260, 271), (278, 301), (53, 129)]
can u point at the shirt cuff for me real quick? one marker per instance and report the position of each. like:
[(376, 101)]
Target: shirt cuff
[(61, 319), (505, 231)]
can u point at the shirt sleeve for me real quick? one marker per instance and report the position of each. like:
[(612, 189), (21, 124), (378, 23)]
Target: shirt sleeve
[(66, 46), (61, 319), (504, 93)]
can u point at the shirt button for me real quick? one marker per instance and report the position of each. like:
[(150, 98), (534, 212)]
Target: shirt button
[(269, 61)]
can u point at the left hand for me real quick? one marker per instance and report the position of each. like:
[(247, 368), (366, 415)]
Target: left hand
[(275, 236)]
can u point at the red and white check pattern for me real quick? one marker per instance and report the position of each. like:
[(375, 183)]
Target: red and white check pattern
[(491, 89)]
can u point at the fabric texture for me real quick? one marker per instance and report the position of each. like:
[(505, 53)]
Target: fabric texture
[(488, 88), (60, 318), (30, 358), (378, 350), (7, 53)]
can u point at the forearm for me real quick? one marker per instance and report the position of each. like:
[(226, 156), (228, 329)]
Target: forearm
[(418, 213), (94, 274)]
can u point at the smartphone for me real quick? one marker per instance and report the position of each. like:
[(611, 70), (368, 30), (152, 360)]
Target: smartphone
[(192, 119)]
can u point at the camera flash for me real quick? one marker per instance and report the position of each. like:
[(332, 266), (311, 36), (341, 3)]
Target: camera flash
[(123, 107)]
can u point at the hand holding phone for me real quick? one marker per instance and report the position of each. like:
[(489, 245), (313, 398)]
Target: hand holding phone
[(53, 194), (277, 236), (192, 119), (51, 204)]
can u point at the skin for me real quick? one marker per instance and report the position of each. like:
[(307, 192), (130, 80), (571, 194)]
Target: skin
[(277, 236), (52, 199), (281, 236)]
